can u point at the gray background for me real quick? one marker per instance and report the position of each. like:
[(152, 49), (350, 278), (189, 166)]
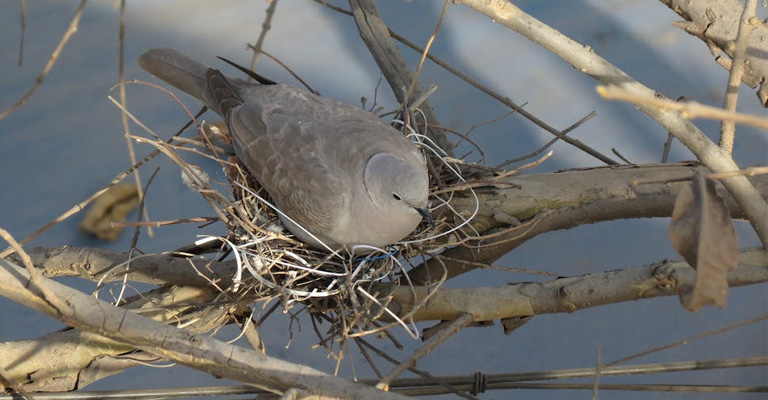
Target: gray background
[(66, 143)]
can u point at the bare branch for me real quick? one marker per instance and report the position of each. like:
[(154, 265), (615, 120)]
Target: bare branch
[(746, 22), (70, 359), (550, 202), (714, 23), (570, 294), (687, 109), (265, 27), (462, 321), (194, 350), (143, 212)]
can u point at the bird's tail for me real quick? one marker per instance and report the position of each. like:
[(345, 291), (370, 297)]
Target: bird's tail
[(178, 70)]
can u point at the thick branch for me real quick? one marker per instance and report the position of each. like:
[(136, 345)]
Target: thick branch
[(715, 23), (548, 202), (194, 350), (570, 294), (53, 362), (108, 266), (72, 359)]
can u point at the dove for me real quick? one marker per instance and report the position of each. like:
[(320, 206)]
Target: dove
[(341, 177)]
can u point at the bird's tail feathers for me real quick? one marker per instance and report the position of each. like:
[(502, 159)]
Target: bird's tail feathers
[(177, 69)]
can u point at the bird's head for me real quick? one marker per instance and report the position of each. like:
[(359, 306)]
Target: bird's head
[(396, 184)]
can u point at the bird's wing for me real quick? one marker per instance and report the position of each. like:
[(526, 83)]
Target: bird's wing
[(289, 158)]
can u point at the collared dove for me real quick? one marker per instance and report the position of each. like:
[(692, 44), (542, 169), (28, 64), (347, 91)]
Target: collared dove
[(342, 176)]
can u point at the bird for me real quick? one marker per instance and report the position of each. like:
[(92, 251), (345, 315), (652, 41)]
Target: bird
[(341, 177)]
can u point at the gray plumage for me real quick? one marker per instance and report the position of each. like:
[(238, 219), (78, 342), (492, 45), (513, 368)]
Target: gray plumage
[(339, 172)]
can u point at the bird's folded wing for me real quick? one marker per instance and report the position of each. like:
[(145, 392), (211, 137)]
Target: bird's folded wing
[(290, 161)]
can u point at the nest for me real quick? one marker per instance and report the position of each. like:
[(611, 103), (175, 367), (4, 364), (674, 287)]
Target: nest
[(350, 292)]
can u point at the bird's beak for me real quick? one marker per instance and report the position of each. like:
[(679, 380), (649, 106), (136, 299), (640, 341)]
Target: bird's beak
[(425, 213)]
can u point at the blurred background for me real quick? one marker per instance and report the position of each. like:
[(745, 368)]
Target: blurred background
[(66, 142)]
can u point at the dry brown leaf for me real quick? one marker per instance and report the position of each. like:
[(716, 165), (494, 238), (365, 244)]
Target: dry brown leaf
[(112, 206), (702, 232)]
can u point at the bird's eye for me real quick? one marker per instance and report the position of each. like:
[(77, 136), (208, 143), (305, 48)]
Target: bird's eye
[(396, 197)]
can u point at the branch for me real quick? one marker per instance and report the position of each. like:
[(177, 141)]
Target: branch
[(548, 202), (72, 359), (194, 350), (97, 264), (714, 23), (746, 23), (687, 109), (584, 59), (569, 294)]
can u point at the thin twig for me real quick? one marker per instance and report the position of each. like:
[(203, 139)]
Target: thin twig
[(598, 370), (265, 27), (751, 171), (464, 320), (687, 109), (142, 204), (497, 180), (426, 376), (667, 148), (158, 224), (73, 24), (727, 127), (15, 387), (557, 137), (22, 29), (688, 340), (432, 37), (123, 118), (621, 156)]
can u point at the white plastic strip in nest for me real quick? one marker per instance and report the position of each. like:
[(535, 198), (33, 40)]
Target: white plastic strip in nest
[(427, 143), (237, 279)]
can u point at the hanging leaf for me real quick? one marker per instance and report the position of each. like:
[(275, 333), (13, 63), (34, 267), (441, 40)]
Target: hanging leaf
[(702, 232)]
